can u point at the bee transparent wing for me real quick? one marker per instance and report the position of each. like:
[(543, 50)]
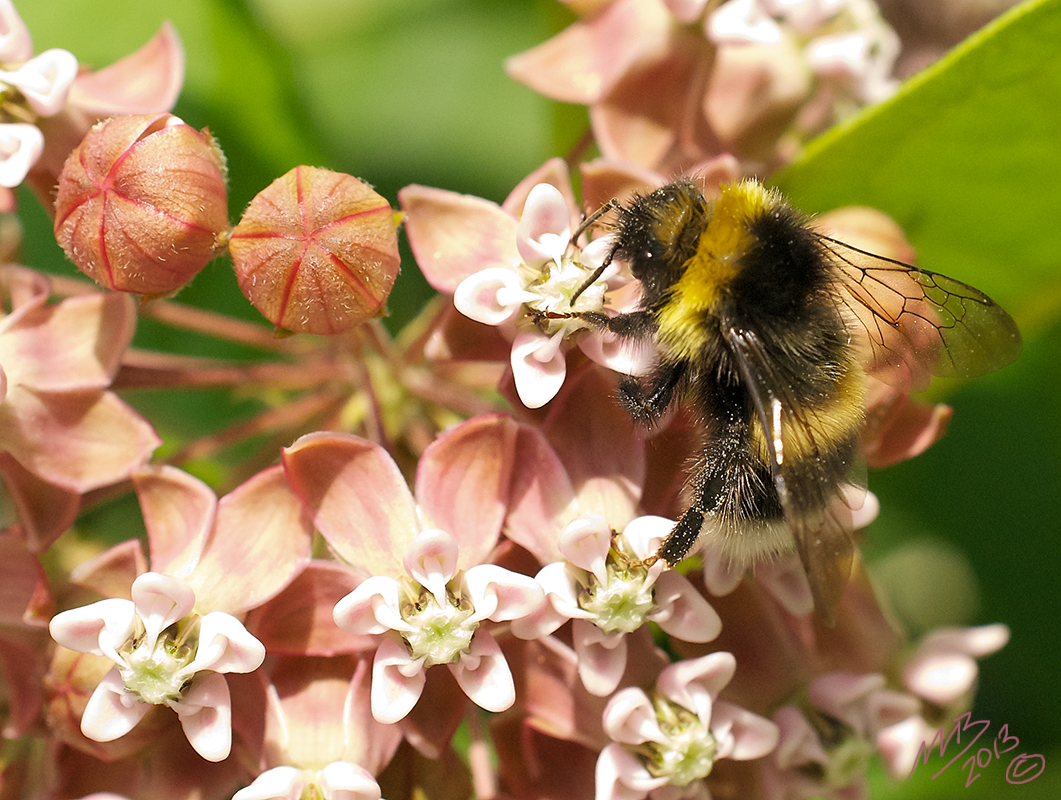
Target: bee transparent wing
[(810, 495), (917, 323)]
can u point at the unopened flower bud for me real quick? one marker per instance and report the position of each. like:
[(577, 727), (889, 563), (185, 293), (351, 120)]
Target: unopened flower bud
[(316, 251), (868, 229), (142, 204)]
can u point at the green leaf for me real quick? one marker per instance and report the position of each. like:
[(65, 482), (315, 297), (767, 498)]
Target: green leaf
[(967, 158)]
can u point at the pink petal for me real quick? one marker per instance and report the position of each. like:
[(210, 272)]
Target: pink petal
[(798, 743), (111, 711), (112, 572), (742, 22), (146, 81), (299, 621), (744, 735), (454, 235), (541, 492), (44, 510), (45, 80), (226, 646), (23, 583), (178, 512), (160, 600), (786, 580), (538, 367), (431, 560), (342, 780), (358, 498), (630, 718), (683, 611), (205, 713), (21, 145), (15, 43), (601, 657), (899, 745), (397, 682), (484, 675), (462, 484), (74, 344), (99, 628), (237, 572), (620, 775), (554, 172), (501, 595), (584, 61), (599, 446), (77, 440), (622, 355), (21, 669)]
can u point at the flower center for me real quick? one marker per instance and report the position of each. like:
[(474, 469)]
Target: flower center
[(439, 632), (156, 671), (623, 601), (688, 751), (848, 761), (556, 284)]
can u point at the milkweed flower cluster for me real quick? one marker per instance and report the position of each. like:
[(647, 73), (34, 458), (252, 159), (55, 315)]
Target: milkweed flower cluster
[(434, 574)]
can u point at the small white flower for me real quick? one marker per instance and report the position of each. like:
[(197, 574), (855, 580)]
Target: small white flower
[(434, 616), (607, 591), (21, 144), (339, 780), (163, 654)]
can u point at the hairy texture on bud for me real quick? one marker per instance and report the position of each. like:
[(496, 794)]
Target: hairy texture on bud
[(316, 251), (142, 204)]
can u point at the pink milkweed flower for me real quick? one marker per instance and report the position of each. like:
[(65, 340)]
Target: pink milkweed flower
[(163, 654), (427, 593), (942, 672), (666, 744), (62, 432), (506, 271), (320, 737), (669, 83), (606, 590), (179, 631)]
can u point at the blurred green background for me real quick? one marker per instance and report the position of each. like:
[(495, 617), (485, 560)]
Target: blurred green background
[(968, 159)]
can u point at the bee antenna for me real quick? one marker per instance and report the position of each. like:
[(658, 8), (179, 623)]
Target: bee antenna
[(586, 223)]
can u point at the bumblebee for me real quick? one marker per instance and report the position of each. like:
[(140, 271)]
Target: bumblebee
[(769, 328)]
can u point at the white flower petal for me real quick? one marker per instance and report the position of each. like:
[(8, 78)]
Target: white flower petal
[(342, 780), (100, 628), (643, 535), (559, 582), (585, 542), (15, 43), (483, 674), (397, 682), (544, 230), (205, 713), (431, 560), (278, 783), (21, 144), (741, 734), (538, 367), (45, 80), (373, 607), (695, 683), (629, 718), (601, 657), (742, 22), (111, 711), (500, 594), (225, 645), (683, 612), (620, 775), (160, 601), (623, 355), (491, 296)]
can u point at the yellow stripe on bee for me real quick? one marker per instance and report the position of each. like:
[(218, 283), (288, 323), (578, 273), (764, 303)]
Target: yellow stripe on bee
[(683, 327), (828, 422)]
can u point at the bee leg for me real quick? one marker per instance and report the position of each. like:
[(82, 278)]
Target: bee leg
[(681, 540), (646, 406)]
